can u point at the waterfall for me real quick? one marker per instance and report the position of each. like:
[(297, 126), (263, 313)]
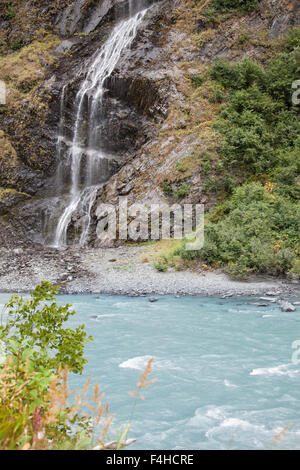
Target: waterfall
[(86, 143)]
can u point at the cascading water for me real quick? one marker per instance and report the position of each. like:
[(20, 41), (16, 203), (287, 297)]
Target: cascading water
[(86, 143)]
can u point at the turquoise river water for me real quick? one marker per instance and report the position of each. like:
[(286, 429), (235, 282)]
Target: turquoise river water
[(226, 374)]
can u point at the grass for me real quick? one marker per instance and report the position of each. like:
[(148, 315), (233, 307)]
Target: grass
[(25, 69), (8, 153), (43, 427)]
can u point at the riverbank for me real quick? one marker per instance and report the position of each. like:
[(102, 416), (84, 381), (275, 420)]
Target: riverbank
[(122, 271)]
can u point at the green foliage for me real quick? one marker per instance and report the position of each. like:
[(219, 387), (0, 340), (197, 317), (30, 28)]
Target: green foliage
[(238, 75), (217, 93), (179, 193), (294, 272), (11, 13), (197, 80), (180, 167), (16, 45), (161, 265), (37, 325), (253, 232), (166, 187), (258, 131), (243, 37), (34, 411), (293, 39), (259, 124), (226, 5), (182, 191), (35, 356)]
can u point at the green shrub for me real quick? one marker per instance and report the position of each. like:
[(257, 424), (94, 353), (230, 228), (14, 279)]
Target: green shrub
[(182, 191), (37, 324), (217, 93), (180, 167), (36, 355), (11, 13), (259, 123), (238, 75), (166, 187), (294, 272), (280, 74), (256, 232), (161, 266), (293, 39), (197, 80), (243, 37), (16, 45)]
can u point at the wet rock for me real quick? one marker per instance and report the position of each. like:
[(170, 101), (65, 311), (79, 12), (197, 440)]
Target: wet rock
[(63, 48), (273, 293), (78, 17), (153, 299), (286, 306), (10, 199), (267, 299)]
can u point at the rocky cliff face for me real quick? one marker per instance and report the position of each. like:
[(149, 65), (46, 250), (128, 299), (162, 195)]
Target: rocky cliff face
[(156, 123)]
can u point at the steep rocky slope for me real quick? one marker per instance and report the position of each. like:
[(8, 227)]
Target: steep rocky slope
[(158, 121)]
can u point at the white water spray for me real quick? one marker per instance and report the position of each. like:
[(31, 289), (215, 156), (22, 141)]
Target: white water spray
[(82, 195)]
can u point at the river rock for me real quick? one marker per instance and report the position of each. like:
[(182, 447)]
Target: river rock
[(267, 299), (286, 306)]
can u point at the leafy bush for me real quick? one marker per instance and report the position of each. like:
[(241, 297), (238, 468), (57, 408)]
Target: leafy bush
[(259, 124), (293, 39), (16, 45), (238, 75), (182, 191), (254, 232), (243, 37), (161, 266), (36, 325), (197, 80), (294, 272), (217, 93), (166, 187), (36, 354), (11, 13), (34, 412), (180, 167)]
